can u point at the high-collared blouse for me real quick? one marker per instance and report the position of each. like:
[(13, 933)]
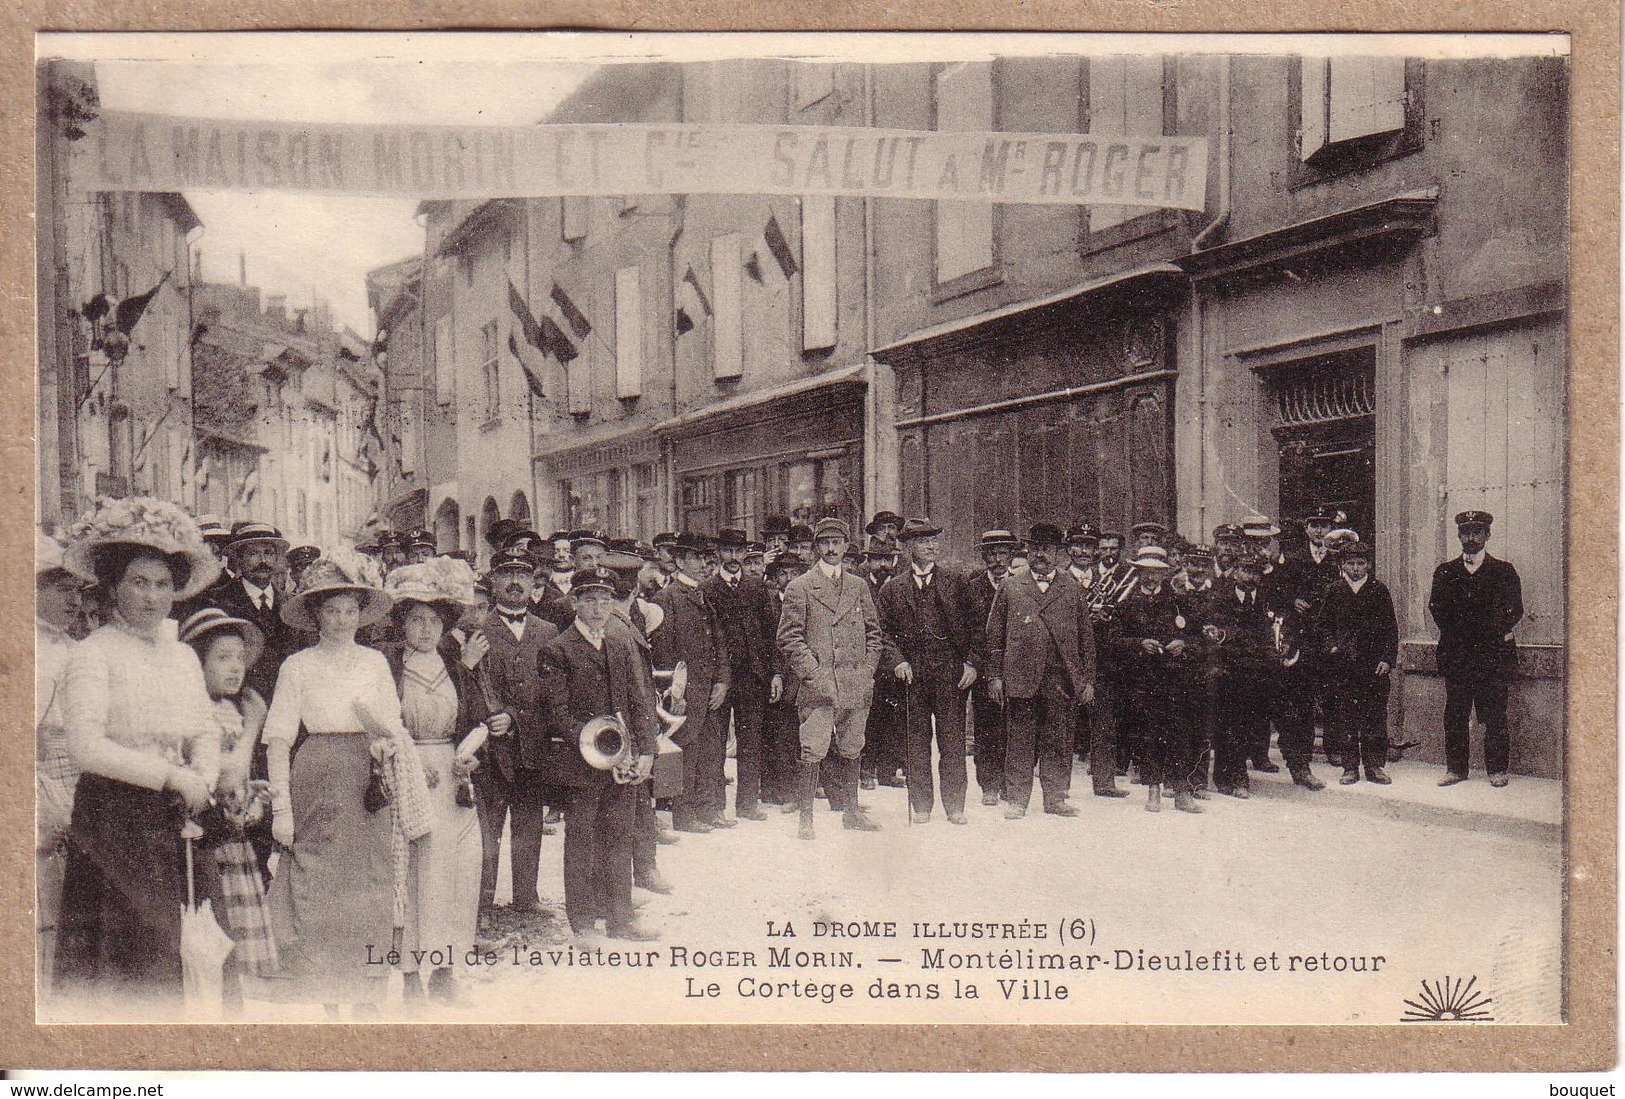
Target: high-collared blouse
[(135, 707), (328, 691)]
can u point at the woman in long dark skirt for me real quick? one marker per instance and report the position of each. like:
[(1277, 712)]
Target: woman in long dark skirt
[(140, 731)]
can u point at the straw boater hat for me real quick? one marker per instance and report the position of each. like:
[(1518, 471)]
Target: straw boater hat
[(213, 530), (141, 521), (444, 583), (339, 571), (211, 620), (1151, 557), (248, 532)]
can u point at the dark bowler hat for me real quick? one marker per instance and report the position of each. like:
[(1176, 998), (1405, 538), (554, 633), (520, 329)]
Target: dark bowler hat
[(998, 536), (831, 525), (248, 532), (1474, 519), (417, 538), (511, 559), (690, 542), (1045, 534), (801, 532), (585, 580), (918, 528), (497, 536), (879, 549), (1147, 527), (732, 537), (776, 524), (301, 556), (882, 517), (1083, 533), (788, 561), (579, 538)]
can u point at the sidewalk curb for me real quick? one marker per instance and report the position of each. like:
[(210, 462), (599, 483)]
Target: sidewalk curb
[(1402, 809)]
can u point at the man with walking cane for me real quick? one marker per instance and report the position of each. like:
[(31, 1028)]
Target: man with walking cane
[(931, 650)]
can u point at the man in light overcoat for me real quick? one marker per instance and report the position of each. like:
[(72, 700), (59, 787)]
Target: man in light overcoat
[(829, 633)]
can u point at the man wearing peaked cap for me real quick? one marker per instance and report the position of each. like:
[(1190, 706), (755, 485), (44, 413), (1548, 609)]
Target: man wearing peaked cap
[(997, 546), (418, 544), (801, 540), (1476, 601), (882, 762), (934, 654), (1359, 638), (1040, 666), (300, 558), (829, 634), (512, 778)]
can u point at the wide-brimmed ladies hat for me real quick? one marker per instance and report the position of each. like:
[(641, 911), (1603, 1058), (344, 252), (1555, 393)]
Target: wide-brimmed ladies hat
[(141, 521), (339, 571), (439, 580), (212, 620)]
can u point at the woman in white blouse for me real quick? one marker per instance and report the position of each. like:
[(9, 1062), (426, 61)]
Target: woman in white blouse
[(140, 732), (332, 899)]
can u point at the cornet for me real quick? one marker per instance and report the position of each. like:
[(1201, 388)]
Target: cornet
[(676, 682)]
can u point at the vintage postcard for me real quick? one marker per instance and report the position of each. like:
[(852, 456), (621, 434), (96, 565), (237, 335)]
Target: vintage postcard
[(1003, 530)]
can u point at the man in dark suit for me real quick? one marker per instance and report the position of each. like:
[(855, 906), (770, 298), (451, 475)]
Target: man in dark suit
[(1359, 640), (882, 762), (749, 617), (692, 633), (550, 598), (1096, 729), (251, 591), (1476, 601), (1243, 655), (512, 778), (781, 742), (1159, 655), (1041, 665), (932, 651), (829, 633), (987, 717), (594, 669)]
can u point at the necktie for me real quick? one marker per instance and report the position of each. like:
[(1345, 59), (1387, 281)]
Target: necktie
[(265, 601), (514, 619)]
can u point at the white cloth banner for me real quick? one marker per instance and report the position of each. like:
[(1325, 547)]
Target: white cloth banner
[(124, 151)]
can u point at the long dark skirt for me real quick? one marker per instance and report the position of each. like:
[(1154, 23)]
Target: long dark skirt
[(332, 900), (119, 934)]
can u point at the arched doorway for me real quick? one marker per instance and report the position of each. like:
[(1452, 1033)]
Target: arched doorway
[(447, 519), (519, 508), (489, 515)]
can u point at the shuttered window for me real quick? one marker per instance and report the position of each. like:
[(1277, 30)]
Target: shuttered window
[(964, 230), (1125, 98), (1346, 98)]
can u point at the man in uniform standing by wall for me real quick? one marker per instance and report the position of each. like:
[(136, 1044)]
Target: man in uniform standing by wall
[(1476, 601), (830, 636)]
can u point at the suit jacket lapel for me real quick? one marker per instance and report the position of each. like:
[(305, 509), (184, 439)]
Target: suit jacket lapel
[(825, 590)]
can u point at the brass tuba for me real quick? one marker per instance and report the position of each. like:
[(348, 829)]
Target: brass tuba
[(676, 682)]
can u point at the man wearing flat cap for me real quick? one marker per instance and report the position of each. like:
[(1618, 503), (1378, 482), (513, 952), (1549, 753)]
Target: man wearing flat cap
[(933, 652), (1476, 601), (829, 634), (1041, 666)]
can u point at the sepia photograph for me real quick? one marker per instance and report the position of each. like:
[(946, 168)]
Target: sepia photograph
[(819, 529)]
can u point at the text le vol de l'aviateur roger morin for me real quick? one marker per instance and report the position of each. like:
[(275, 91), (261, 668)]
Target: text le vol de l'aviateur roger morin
[(829, 961)]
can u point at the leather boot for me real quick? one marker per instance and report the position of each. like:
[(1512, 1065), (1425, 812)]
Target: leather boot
[(854, 816), (808, 795)]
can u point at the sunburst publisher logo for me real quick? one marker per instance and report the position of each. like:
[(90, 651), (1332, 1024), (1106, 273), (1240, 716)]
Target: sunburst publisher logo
[(1449, 1000)]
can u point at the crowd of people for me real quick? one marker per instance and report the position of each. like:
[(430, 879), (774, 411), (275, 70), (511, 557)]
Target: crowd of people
[(330, 746)]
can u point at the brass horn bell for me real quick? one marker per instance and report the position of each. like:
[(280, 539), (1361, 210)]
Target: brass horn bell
[(606, 747)]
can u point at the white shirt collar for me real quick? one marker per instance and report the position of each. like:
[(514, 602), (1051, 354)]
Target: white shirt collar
[(595, 638), (1356, 585), (831, 571), (1473, 561), (256, 593), (1317, 553)]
